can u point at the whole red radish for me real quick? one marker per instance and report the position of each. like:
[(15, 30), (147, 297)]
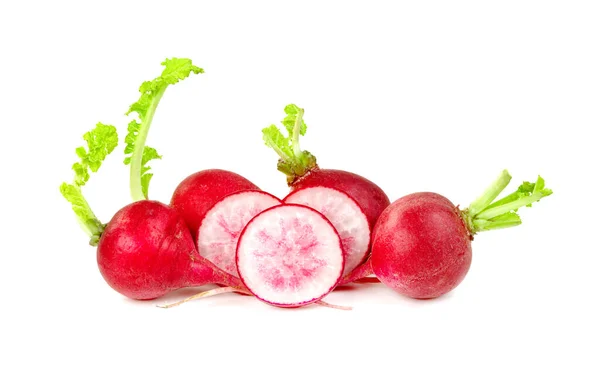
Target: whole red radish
[(290, 256), (422, 242), (331, 192), (146, 251), (199, 192)]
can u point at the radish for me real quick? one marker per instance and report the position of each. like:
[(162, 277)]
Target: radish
[(197, 193), (290, 256), (422, 242), (351, 202), (222, 225), (146, 249), (302, 170)]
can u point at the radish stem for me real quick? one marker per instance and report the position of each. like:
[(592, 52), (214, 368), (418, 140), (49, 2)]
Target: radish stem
[(135, 172), (484, 214), (293, 161), (296, 134), (491, 193), (137, 153), (101, 141)]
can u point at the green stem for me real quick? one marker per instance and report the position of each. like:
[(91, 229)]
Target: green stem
[(511, 206), (296, 134), (135, 173), (93, 227), (88, 221), (293, 161), (485, 215), (505, 221), (282, 155), (490, 194)]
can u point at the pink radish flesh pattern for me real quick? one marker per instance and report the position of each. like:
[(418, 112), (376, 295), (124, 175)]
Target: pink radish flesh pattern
[(289, 256), (346, 216), (221, 227), (368, 195)]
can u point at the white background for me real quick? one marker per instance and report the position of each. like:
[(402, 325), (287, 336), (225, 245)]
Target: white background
[(417, 96)]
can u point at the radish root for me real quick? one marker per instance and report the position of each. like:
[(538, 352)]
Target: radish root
[(333, 306), (224, 290), (205, 294)]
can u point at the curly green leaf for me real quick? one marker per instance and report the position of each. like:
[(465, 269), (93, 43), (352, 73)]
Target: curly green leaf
[(137, 154), (101, 141)]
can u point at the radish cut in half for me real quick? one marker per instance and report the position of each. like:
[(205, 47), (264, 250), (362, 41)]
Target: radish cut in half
[(290, 256), (346, 216), (221, 227)]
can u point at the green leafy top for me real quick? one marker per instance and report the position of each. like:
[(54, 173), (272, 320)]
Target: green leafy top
[(176, 69), (101, 141), (293, 162), (484, 214)]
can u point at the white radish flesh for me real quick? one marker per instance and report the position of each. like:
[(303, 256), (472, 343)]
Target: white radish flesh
[(289, 256), (221, 227), (346, 216)]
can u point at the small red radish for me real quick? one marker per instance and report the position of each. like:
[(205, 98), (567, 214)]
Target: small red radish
[(199, 192), (346, 216), (290, 256), (303, 173), (146, 251), (302, 170), (422, 242), (222, 225)]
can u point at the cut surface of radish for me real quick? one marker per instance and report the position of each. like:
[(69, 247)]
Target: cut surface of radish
[(220, 229), (289, 256), (345, 215)]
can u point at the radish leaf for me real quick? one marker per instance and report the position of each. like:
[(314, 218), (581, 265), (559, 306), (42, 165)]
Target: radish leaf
[(101, 141), (137, 153), (293, 162), (484, 214)]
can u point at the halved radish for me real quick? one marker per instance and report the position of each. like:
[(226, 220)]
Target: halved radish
[(222, 225), (197, 193), (346, 216), (290, 256)]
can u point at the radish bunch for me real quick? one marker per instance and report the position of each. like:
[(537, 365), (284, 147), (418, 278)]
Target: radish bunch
[(333, 228)]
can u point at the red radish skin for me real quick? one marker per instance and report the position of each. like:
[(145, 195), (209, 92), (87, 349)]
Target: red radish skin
[(368, 195), (147, 251), (197, 193), (421, 246), (290, 256), (346, 216), (222, 225)]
